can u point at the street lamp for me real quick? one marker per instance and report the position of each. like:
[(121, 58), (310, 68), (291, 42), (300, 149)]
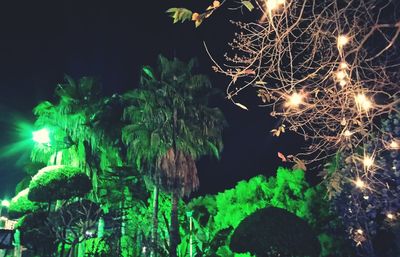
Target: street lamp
[(41, 136)]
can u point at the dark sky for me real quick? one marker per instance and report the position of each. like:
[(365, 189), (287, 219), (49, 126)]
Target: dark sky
[(41, 41)]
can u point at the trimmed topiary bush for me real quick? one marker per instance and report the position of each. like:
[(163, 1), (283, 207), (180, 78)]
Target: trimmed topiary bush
[(275, 232), (58, 182), (21, 205)]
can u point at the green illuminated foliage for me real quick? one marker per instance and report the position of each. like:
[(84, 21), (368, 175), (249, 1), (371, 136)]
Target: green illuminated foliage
[(275, 232), (96, 247), (58, 182), (21, 205)]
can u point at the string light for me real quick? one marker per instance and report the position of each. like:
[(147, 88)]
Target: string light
[(394, 145), (368, 162), (359, 183), (362, 102), (295, 100), (390, 216), (348, 133), (342, 40)]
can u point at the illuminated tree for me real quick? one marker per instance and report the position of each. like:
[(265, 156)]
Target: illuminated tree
[(170, 127), (366, 190)]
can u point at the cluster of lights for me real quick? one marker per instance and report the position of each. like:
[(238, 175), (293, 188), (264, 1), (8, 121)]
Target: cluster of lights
[(344, 80)]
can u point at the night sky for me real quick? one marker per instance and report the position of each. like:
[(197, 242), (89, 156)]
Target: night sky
[(41, 41)]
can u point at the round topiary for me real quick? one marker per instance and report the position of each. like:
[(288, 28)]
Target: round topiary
[(58, 182), (21, 205), (275, 232)]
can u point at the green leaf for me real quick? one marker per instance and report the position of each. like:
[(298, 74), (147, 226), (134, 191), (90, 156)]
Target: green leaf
[(248, 5), (214, 149), (180, 14), (149, 72)]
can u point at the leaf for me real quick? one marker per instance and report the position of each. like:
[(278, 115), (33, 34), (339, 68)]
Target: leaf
[(180, 14), (214, 149), (248, 5), (149, 72), (242, 106), (282, 157)]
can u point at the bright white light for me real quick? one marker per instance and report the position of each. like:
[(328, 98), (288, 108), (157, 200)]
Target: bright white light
[(348, 133), (368, 161), (342, 40), (390, 216), (359, 183), (274, 4), (342, 83), (5, 203), (363, 102), (295, 100), (341, 75), (343, 65), (41, 136), (360, 231), (395, 145)]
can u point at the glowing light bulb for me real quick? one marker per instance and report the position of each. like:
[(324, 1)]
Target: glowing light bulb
[(41, 136), (390, 216), (368, 162), (348, 133), (359, 183), (342, 40), (343, 65), (5, 203), (342, 83), (274, 4), (295, 100), (360, 231), (395, 145), (362, 102), (341, 75)]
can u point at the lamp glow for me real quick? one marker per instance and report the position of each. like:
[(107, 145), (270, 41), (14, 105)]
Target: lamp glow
[(41, 136), (5, 203)]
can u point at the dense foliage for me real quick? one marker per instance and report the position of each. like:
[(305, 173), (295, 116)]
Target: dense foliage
[(275, 232), (58, 183)]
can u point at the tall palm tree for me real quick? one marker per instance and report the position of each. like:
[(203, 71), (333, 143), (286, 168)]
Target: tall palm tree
[(171, 126)]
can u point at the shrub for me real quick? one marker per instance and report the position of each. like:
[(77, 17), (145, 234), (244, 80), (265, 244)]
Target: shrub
[(58, 182), (275, 232), (21, 205)]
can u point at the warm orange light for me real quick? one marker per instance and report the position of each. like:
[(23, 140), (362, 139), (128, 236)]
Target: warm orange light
[(368, 162), (342, 40), (274, 4), (359, 183), (294, 100), (362, 102), (394, 145), (390, 216)]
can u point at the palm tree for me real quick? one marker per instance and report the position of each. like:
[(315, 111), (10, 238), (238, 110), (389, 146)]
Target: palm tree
[(171, 126)]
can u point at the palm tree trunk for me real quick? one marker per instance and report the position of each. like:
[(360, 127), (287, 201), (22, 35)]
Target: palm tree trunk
[(154, 236), (174, 229)]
